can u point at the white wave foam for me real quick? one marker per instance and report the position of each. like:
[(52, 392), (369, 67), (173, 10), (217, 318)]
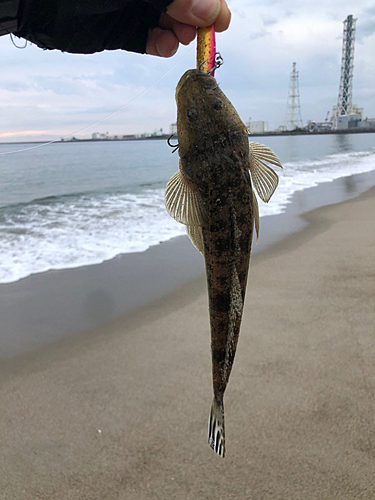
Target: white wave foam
[(80, 231), (74, 231), (300, 175)]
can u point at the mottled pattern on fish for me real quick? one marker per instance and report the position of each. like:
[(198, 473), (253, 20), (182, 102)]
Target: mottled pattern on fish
[(212, 195)]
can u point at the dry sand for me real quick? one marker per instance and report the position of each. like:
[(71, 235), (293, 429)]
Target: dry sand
[(121, 412)]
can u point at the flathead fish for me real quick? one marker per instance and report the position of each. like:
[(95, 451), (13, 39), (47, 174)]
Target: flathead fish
[(212, 195)]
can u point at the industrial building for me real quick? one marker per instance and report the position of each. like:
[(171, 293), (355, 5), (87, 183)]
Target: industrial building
[(258, 127)]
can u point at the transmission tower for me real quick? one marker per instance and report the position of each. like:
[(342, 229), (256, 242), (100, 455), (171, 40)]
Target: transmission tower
[(293, 118), (344, 103)]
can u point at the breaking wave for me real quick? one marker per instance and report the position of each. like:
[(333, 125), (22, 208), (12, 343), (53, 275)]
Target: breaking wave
[(75, 230)]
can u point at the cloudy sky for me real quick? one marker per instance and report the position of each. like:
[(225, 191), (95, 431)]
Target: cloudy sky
[(47, 94)]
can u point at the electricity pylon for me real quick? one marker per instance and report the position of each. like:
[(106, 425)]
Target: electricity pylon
[(293, 118)]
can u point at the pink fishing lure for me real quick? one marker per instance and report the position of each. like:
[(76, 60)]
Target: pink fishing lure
[(206, 49)]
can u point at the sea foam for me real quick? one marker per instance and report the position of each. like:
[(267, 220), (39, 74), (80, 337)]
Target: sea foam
[(82, 229)]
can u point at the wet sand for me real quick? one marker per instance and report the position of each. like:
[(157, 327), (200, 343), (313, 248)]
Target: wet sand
[(120, 411), (47, 306)]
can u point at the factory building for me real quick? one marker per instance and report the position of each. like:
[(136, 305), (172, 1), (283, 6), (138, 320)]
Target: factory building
[(258, 127)]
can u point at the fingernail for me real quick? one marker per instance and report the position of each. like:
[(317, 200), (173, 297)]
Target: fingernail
[(206, 10)]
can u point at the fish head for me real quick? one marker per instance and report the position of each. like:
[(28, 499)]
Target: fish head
[(204, 113), (193, 80), (197, 106)]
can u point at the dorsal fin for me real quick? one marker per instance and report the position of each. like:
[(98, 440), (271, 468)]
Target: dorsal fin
[(264, 178), (183, 201)]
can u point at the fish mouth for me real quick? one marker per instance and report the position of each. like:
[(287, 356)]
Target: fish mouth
[(191, 74)]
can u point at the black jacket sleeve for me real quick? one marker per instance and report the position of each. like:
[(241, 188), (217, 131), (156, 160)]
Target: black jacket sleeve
[(88, 26), (8, 16)]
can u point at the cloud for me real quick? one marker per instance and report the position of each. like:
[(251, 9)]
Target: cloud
[(61, 86), (14, 86), (269, 21), (366, 26), (57, 94), (258, 34)]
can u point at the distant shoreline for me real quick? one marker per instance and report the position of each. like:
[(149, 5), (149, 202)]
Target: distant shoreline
[(165, 137)]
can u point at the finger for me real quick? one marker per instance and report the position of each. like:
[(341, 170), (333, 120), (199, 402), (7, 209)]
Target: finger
[(223, 20), (195, 12), (185, 33), (162, 43)]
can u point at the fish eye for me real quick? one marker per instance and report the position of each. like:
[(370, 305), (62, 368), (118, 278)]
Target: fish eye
[(218, 103), (210, 88), (191, 113)]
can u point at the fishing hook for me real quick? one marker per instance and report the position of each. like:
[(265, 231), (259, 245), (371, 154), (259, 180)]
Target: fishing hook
[(219, 61), (202, 65), (172, 145)]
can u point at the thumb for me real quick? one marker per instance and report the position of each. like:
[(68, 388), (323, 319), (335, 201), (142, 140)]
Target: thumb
[(199, 13)]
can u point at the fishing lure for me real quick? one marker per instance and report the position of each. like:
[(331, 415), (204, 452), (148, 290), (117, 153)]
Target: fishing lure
[(206, 50)]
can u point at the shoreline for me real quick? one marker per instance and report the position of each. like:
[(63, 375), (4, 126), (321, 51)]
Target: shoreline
[(121, 411), (164, 137), (45, 307)]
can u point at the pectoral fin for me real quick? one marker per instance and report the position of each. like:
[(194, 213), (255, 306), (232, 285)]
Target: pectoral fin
[(196, 236), (184, 204), (256, 214), (264, 177), (183, 201)]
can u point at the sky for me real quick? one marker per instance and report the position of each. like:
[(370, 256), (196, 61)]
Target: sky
[(46, 95)]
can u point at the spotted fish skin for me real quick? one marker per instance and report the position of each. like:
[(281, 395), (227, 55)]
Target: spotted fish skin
[(212, 195)]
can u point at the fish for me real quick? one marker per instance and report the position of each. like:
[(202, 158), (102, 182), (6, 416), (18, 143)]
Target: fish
[(212, 195)]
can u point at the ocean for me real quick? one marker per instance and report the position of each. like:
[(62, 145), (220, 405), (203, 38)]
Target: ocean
[(66, 205)]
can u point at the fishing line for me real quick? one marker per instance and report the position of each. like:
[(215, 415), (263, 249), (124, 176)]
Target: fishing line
[(14, 43), (105, 117)]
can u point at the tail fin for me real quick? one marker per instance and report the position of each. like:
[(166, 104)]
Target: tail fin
[(216, 431)]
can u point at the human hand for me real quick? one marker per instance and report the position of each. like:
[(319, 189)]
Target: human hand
[(178, 24)]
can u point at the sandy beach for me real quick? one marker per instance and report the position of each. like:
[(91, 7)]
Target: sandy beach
[(120, 411)]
